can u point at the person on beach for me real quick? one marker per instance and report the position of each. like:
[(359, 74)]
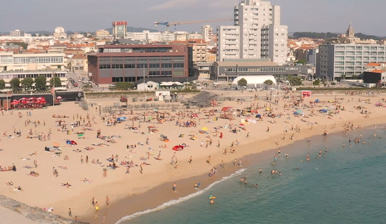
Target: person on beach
[(107, 200), (174, 187), (69, 212)]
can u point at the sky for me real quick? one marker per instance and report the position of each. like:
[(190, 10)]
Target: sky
[(366, 16)]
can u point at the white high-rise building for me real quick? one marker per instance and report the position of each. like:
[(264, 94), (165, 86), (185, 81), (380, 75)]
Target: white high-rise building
[(228, 43), (260, 32), (206, 32)]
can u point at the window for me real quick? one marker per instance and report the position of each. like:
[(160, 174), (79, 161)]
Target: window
[(178, 65), (154, 73), (117, 79), (168, 65), (141, 65), (154, 65), (166, 73), (129, 65), (104, 66)]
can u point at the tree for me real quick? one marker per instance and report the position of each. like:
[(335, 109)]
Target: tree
[(124, 85), (2, 84), (301, 61), (26, 83), (40, 83), (55, 82), (268, 82), (15, 84), (295, 81), (242, 82), (316, 82)]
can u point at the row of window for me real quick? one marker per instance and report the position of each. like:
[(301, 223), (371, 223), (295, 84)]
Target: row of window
[(33, 60), (158, 73), (121, 66), (262, 69)]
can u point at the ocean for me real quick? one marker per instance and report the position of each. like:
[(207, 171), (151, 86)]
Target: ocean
[(346, 184)]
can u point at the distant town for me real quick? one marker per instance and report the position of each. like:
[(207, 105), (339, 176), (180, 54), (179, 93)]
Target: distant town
[(256, 45)]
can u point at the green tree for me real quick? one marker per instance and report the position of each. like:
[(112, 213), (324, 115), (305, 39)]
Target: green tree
[(242, 82), (295, 81), (2, 84), (26, 83), (301, 61), (316, 82), (268, 82), (15, 84), (55, 82), (124, 85), (40, 83)]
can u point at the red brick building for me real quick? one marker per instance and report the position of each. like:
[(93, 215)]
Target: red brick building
[(133, 63)]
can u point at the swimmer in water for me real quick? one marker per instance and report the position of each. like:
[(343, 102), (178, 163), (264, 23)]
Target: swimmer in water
[(308, 157), (260, 171)]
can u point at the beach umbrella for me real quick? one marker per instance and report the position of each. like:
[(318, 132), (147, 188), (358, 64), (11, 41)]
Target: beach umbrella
[(204, 129), (178, 148), (317, 101), (15, 102), (226, 109), (55, 144)]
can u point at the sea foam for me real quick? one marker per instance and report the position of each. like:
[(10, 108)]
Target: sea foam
[(179, 200)]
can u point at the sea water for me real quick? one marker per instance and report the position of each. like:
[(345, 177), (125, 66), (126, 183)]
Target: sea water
[(346, 185)]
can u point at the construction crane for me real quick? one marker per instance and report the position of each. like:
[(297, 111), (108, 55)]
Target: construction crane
[(169, 24)]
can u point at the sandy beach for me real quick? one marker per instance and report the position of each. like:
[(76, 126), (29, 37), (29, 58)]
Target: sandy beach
[(85, 164)]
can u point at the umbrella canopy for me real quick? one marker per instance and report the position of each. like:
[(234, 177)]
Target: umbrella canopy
[(178, 148), (226, 109), (204, 129), (15, 102)]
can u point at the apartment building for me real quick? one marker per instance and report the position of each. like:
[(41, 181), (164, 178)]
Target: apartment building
[(340, 61), (228, 43), (260, 34)]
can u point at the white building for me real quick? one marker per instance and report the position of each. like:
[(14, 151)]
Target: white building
[(31, 62), (59, 33), (340, 61), (206, 32), (228, 43), (16, 33), (260, 33)]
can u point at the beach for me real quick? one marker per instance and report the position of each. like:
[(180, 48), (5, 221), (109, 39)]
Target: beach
[(101, 164)]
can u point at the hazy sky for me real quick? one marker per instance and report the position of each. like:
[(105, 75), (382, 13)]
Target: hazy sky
[(367, 16)]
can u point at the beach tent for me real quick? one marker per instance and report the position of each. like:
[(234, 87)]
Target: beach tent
[(71, 142), (323, 111), (255, 80), (121, 119), (298, 112), (178, 148)]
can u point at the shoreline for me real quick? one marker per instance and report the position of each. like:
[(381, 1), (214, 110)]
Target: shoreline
[(257, 126), (161, 194)]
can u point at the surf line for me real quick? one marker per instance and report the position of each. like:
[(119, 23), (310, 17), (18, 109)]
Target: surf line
[(179, 200)]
